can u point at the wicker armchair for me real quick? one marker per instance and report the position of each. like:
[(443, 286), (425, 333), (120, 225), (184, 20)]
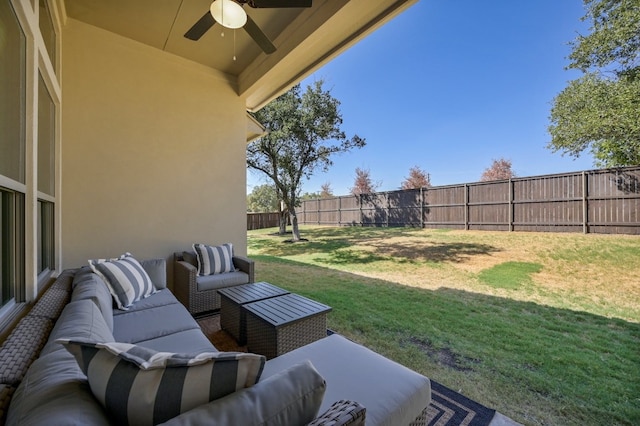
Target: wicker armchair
[(200, 294)]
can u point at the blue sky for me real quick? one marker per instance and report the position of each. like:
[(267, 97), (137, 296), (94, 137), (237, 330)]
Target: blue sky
[(450, 85)]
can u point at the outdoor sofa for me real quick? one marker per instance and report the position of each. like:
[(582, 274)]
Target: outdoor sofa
[(334, 376)]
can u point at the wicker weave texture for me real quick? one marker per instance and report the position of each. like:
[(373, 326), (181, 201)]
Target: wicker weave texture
[(267, 340), (231, 319), (422, 419), (51, 303), (64, 280), (6, 391), (23, 346), (342, 413)]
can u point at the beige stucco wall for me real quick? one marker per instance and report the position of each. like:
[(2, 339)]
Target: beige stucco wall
[(153, 151)]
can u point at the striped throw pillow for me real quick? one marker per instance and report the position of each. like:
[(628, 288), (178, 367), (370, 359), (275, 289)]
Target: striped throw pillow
[(139, 386), (127, 280), (214, 259)]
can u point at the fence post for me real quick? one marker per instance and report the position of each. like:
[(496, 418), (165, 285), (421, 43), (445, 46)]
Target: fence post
[(511, 206), (585, 204), (466, 207), (386, 194), (421, 207), (339, 211), (360, 204)]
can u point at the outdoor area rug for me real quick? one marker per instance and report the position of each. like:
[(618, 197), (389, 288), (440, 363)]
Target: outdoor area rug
[(451, 408), (448, 408)]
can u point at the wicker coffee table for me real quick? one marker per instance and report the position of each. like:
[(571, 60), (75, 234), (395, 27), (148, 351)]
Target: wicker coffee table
[(232, 317), (281, 324)]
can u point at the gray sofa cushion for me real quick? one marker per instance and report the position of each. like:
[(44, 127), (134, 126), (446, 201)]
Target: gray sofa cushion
[(162, 311), (188, 341), (80, 319), (157, 270), (88, 285), (212, 282), (391, 393), (55, 392), (290, 397)]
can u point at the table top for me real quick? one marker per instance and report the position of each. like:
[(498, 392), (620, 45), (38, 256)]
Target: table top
[(247, 293), (285, 309)]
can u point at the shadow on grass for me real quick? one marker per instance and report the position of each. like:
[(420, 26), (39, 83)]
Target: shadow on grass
[(359, 245), (542, 365)]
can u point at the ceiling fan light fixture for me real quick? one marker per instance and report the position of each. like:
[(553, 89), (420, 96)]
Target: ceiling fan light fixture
[(228, 13)]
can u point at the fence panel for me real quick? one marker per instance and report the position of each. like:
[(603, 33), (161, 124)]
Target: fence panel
[(598, 201), (445, 207), (262, 220)]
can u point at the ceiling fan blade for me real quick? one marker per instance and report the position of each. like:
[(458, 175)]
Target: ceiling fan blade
[(258, 36), (278, 3), (199, 28)]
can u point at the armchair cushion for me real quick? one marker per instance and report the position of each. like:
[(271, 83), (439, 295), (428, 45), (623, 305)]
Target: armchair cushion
[(137, 385), (218, 281), (214, 259)]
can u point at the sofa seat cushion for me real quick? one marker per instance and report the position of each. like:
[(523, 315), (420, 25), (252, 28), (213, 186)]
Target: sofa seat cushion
[(156, 316), (290, 397), (139, 386), (80, 319), (391, 393), (189, 341), (55, 392), (217, 281)]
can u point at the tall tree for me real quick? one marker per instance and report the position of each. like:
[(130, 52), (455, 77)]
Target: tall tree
[(326, 191), (303, 134), (263, 198), (417, 179), (499, 169), (599, 111), (363, 184)]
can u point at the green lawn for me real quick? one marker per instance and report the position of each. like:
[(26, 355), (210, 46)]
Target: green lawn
[(545, 328)]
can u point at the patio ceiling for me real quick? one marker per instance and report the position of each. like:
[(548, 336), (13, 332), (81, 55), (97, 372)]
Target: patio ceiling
[(305, 38)]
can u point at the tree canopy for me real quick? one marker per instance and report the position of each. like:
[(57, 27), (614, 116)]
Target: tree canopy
[(304, 132), (417, 179), (499, 169), (363, 184), (599, 111), (263, 198)]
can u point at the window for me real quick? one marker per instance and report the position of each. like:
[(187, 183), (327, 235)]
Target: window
[(12, 95), (47, 31), (46, 245), (46, 140), (11, 246)]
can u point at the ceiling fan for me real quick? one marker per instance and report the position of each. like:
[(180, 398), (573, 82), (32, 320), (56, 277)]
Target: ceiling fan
[(230, 14)]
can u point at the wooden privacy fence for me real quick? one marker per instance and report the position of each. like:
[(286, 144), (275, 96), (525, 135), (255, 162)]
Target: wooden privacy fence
[(597, 201), (262, 220)]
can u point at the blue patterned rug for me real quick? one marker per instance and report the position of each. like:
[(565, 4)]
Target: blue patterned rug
[(450, 408)]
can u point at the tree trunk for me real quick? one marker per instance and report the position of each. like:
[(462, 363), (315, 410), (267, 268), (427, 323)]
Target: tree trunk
[(282, 223), (295, 232)]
